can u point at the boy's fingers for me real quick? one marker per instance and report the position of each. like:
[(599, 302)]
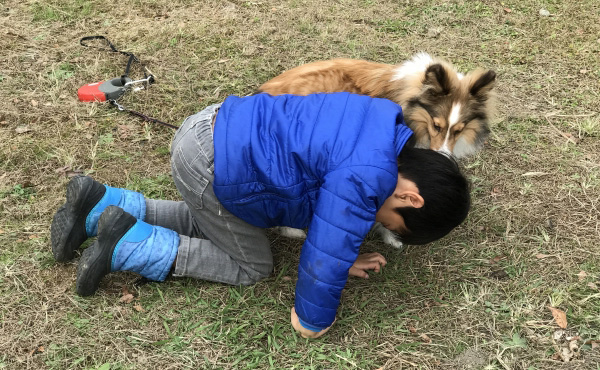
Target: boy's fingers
[(372, 257), (355, 271), (379, 258), (373, 265)]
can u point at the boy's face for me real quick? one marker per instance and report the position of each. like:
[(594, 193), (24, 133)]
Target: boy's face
[(406, 194)]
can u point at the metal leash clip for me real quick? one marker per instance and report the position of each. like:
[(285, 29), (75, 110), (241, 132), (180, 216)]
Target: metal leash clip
[(145, 81), (117, 105)]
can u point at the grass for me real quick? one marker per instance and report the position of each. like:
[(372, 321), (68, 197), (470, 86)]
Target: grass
[(476, 299)]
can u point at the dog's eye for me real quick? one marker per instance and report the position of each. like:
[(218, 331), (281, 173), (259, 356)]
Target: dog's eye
[(458, 130), (437, 127)]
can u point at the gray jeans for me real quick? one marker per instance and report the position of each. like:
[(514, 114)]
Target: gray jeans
[(215, 245)]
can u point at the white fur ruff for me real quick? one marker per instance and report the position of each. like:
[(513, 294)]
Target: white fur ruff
[(417, 64), (291, 232)]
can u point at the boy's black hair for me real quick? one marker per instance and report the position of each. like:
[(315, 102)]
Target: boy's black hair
[(444, 189)]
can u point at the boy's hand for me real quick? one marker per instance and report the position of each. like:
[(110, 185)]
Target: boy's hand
[(368, 261), (305, 333)]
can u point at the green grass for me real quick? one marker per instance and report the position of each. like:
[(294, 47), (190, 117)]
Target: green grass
[(480, 295)]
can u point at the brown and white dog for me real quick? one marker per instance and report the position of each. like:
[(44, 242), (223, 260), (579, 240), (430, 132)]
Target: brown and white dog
[(446, 110)]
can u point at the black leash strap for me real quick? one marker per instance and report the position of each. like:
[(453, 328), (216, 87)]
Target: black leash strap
[(141, 115), (132, 58), (113, 49)]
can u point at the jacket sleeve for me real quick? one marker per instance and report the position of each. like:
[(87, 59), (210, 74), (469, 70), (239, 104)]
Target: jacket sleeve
[(344, 214)]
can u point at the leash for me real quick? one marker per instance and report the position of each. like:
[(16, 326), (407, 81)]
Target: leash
[(141, 115), (114, 89), (132, 57)]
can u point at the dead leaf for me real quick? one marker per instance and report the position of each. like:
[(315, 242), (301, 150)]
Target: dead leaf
[(434, 33), (127, 298), (566, 354), (22, 129), (507, 10), (67, 171), (496, 259), (425, 338), (138, 307), (542, 256), (495, 192), (590, 285), (569, 136), (1, 231), (34, 103), (583, 71), (38, 349), (286, 278), (412, 329), (125, 131), (33, 236), (560, 317), (73, 173), (591, 342), (582, 275)]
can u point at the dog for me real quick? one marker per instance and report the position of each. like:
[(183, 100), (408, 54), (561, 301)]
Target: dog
[(446, 110)]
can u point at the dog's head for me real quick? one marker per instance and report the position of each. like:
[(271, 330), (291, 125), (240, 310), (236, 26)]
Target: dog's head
[(446, 110)]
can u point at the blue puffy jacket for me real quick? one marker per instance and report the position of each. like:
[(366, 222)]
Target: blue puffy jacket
[(323, 161)]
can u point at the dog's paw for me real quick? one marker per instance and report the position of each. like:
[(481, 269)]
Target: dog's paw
[(388, 237), (291, 232), (393, 242)]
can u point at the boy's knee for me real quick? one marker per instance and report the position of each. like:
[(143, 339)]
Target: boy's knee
[(257, 273)]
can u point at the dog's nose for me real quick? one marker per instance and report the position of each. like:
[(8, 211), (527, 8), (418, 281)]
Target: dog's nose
[(445, 151)]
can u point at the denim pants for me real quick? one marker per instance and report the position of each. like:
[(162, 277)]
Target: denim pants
[(215, 245)]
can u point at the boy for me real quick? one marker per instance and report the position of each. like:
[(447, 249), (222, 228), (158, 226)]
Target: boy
[(335, 163)]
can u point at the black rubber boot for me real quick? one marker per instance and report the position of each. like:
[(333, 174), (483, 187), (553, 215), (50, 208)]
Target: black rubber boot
[(95, 261), (67, 231)]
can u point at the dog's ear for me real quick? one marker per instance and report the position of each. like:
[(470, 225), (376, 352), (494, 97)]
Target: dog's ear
[(437, 77), (483, 84)]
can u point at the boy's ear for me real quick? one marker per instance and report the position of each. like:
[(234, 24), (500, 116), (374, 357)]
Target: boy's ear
[(409, 198)]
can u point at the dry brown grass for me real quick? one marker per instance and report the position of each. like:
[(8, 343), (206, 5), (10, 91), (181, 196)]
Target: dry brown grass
[(480, 295)]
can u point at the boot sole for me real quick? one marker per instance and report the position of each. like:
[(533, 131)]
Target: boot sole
[(67, 231), (95, 262)]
